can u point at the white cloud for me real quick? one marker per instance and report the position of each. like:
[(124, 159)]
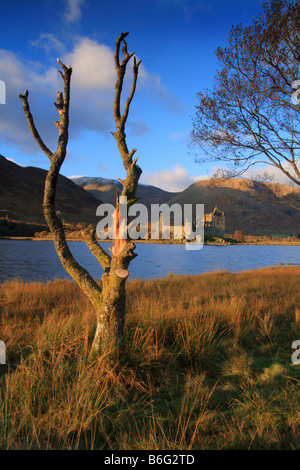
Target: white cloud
[(259, 172), (94, 69), (173, 180), (48, 42), (12, 70), (92, 95), (73, 11), (270, 173), (90, 109), (93, 66), (19, 76)]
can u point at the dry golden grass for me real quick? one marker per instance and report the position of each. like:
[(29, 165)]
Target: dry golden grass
[(207, 364)]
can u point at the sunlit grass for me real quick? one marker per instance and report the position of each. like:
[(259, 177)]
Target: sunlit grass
[(206, 365)]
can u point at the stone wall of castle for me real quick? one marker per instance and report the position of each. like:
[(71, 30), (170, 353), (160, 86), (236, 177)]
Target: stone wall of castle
[(214, 224)]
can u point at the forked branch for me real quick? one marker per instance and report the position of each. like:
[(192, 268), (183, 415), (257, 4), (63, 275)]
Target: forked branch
[(120, 120), (132, 169), (77, 272)]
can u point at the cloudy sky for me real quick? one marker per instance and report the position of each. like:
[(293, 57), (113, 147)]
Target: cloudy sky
[(175, 39)]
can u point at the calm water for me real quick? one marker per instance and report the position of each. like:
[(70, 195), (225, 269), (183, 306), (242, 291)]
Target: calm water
[(37, 260)]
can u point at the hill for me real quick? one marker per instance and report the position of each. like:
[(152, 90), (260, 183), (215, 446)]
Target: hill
[(255, 208), (21, 195), (105, 190)]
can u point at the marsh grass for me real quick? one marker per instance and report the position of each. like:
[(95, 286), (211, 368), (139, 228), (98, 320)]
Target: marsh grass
[(206, 365)]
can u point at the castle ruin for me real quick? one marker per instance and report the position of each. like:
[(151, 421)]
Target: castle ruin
[(214, 224)]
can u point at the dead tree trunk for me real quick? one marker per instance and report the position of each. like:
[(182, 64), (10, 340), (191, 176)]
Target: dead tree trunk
[(108, 297)]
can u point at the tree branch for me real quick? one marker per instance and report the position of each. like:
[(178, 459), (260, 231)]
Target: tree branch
[(132, 169), (33, 129), (103, 258), (77, 272), (129, 100)]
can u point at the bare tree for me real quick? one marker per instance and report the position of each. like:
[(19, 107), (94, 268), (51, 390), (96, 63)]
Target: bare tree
[(249, 116), (109, 296)]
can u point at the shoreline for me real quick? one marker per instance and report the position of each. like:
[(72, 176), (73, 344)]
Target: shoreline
[(165, 242), (178, 277)]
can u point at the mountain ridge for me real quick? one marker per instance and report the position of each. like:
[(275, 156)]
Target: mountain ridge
[(22, 189), (253, 207), (246, 206), (105, 190)]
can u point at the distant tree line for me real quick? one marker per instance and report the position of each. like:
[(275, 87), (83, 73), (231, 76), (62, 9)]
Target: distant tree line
[(10, 228)]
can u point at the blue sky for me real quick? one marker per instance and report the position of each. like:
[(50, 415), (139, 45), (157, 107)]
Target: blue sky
[(175, 39)]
